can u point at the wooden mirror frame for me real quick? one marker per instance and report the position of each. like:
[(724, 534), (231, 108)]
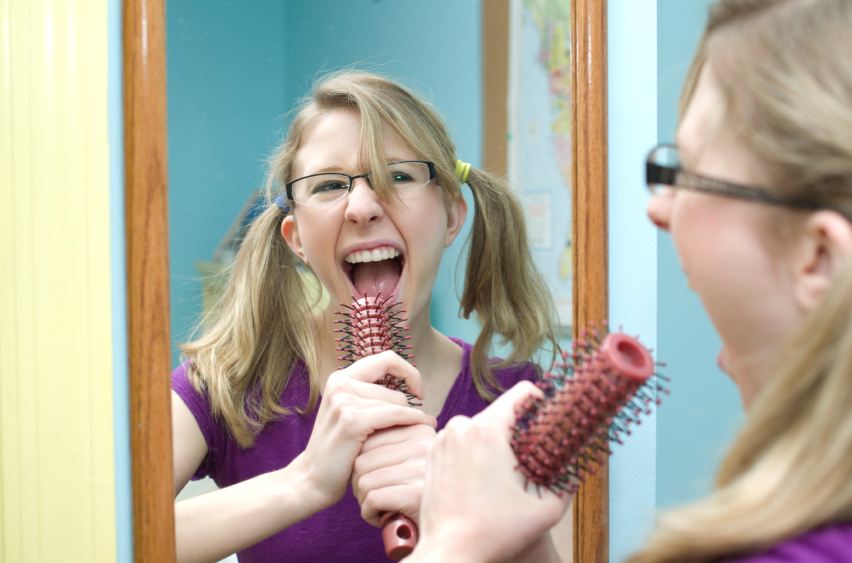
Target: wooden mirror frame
[(146, 201), (589, 234), (147, 239), (589, 171)]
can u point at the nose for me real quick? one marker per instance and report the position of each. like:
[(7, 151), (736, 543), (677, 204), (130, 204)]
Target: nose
[(660, 208), (363, 206)]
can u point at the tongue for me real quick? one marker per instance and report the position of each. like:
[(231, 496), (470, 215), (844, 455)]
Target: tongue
[(372, 278)]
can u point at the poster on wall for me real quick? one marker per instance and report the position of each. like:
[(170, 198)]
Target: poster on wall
[(539, 139)]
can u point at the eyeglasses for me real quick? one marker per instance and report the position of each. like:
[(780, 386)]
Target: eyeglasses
[(664, 169), (322, 189)]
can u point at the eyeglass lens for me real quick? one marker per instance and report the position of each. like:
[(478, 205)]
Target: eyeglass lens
[(665, 156), (327, 188)]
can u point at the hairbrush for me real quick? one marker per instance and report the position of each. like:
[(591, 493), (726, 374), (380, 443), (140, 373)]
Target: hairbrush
[(372, 326), (600, 390)]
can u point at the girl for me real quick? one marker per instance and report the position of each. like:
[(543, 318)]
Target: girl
[(367, 194), (759, 205)]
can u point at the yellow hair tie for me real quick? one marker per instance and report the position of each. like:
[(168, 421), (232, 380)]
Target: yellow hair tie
[(462, 170)]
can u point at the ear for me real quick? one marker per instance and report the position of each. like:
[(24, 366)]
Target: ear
[(455, 220), (825, 245), (290, 232)]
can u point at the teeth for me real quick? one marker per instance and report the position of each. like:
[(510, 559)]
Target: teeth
[(372, 255)]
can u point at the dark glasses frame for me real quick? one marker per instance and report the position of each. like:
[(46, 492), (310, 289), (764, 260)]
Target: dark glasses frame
[(289, 185), (658, 174)]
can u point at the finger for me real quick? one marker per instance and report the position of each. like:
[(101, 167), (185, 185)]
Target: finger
[(333, 406), (456, 423), (341, 383), (373, 368), (389, 456), (356, 420), (385, 416), (365, 481), (502, 413), (406, 472), (370, 391), (400, 498), (420, 433)]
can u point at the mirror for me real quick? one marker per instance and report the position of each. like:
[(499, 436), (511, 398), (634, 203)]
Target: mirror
[(234, 69)]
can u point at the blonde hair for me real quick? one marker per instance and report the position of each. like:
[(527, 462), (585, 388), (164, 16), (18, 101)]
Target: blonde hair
[(261, 327), (784, 70)]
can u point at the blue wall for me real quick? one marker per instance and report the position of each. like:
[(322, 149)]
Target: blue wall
[(120, 360), (227, 75), (698, 420), (632, 31)]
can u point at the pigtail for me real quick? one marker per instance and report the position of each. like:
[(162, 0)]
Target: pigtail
[(256, 333), (502, 285)]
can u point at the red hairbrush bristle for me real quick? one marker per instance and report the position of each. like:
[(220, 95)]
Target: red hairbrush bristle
[(372, 327), (599, 392)]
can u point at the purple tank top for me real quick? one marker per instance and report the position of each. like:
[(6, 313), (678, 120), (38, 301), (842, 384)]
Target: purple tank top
[(337, 533), (832, 544)]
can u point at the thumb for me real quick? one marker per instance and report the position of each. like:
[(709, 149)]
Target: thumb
[(502, 412)]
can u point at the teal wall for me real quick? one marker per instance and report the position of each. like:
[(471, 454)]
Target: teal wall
[(227, 75), (698, 420)]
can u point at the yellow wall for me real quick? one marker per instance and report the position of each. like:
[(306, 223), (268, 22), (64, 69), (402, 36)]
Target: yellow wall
[(57, 481)]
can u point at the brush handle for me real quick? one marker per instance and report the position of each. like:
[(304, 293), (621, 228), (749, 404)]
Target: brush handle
[(399, 533)]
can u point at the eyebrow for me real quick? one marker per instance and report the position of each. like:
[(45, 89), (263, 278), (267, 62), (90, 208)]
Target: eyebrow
[(335, 168), (328, 169)]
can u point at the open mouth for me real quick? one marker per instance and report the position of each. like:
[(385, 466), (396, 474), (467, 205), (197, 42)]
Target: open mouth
[(374, 271)]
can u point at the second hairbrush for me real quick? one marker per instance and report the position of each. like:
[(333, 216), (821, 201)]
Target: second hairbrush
[(597, 394)]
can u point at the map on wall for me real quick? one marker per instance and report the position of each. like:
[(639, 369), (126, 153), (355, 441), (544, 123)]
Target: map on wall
[(539, 140)]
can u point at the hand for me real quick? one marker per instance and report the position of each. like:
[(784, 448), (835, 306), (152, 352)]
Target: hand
[(390, 472), (474, 506), (352, 408)]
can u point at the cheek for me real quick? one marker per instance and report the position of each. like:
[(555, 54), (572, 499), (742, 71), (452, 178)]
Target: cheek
[(424, 230), (426, 223), (716, 238), (730, 269), (695, 228), (318, 241)]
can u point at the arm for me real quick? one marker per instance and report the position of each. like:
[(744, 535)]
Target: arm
[(475, 507), (213, 526)]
